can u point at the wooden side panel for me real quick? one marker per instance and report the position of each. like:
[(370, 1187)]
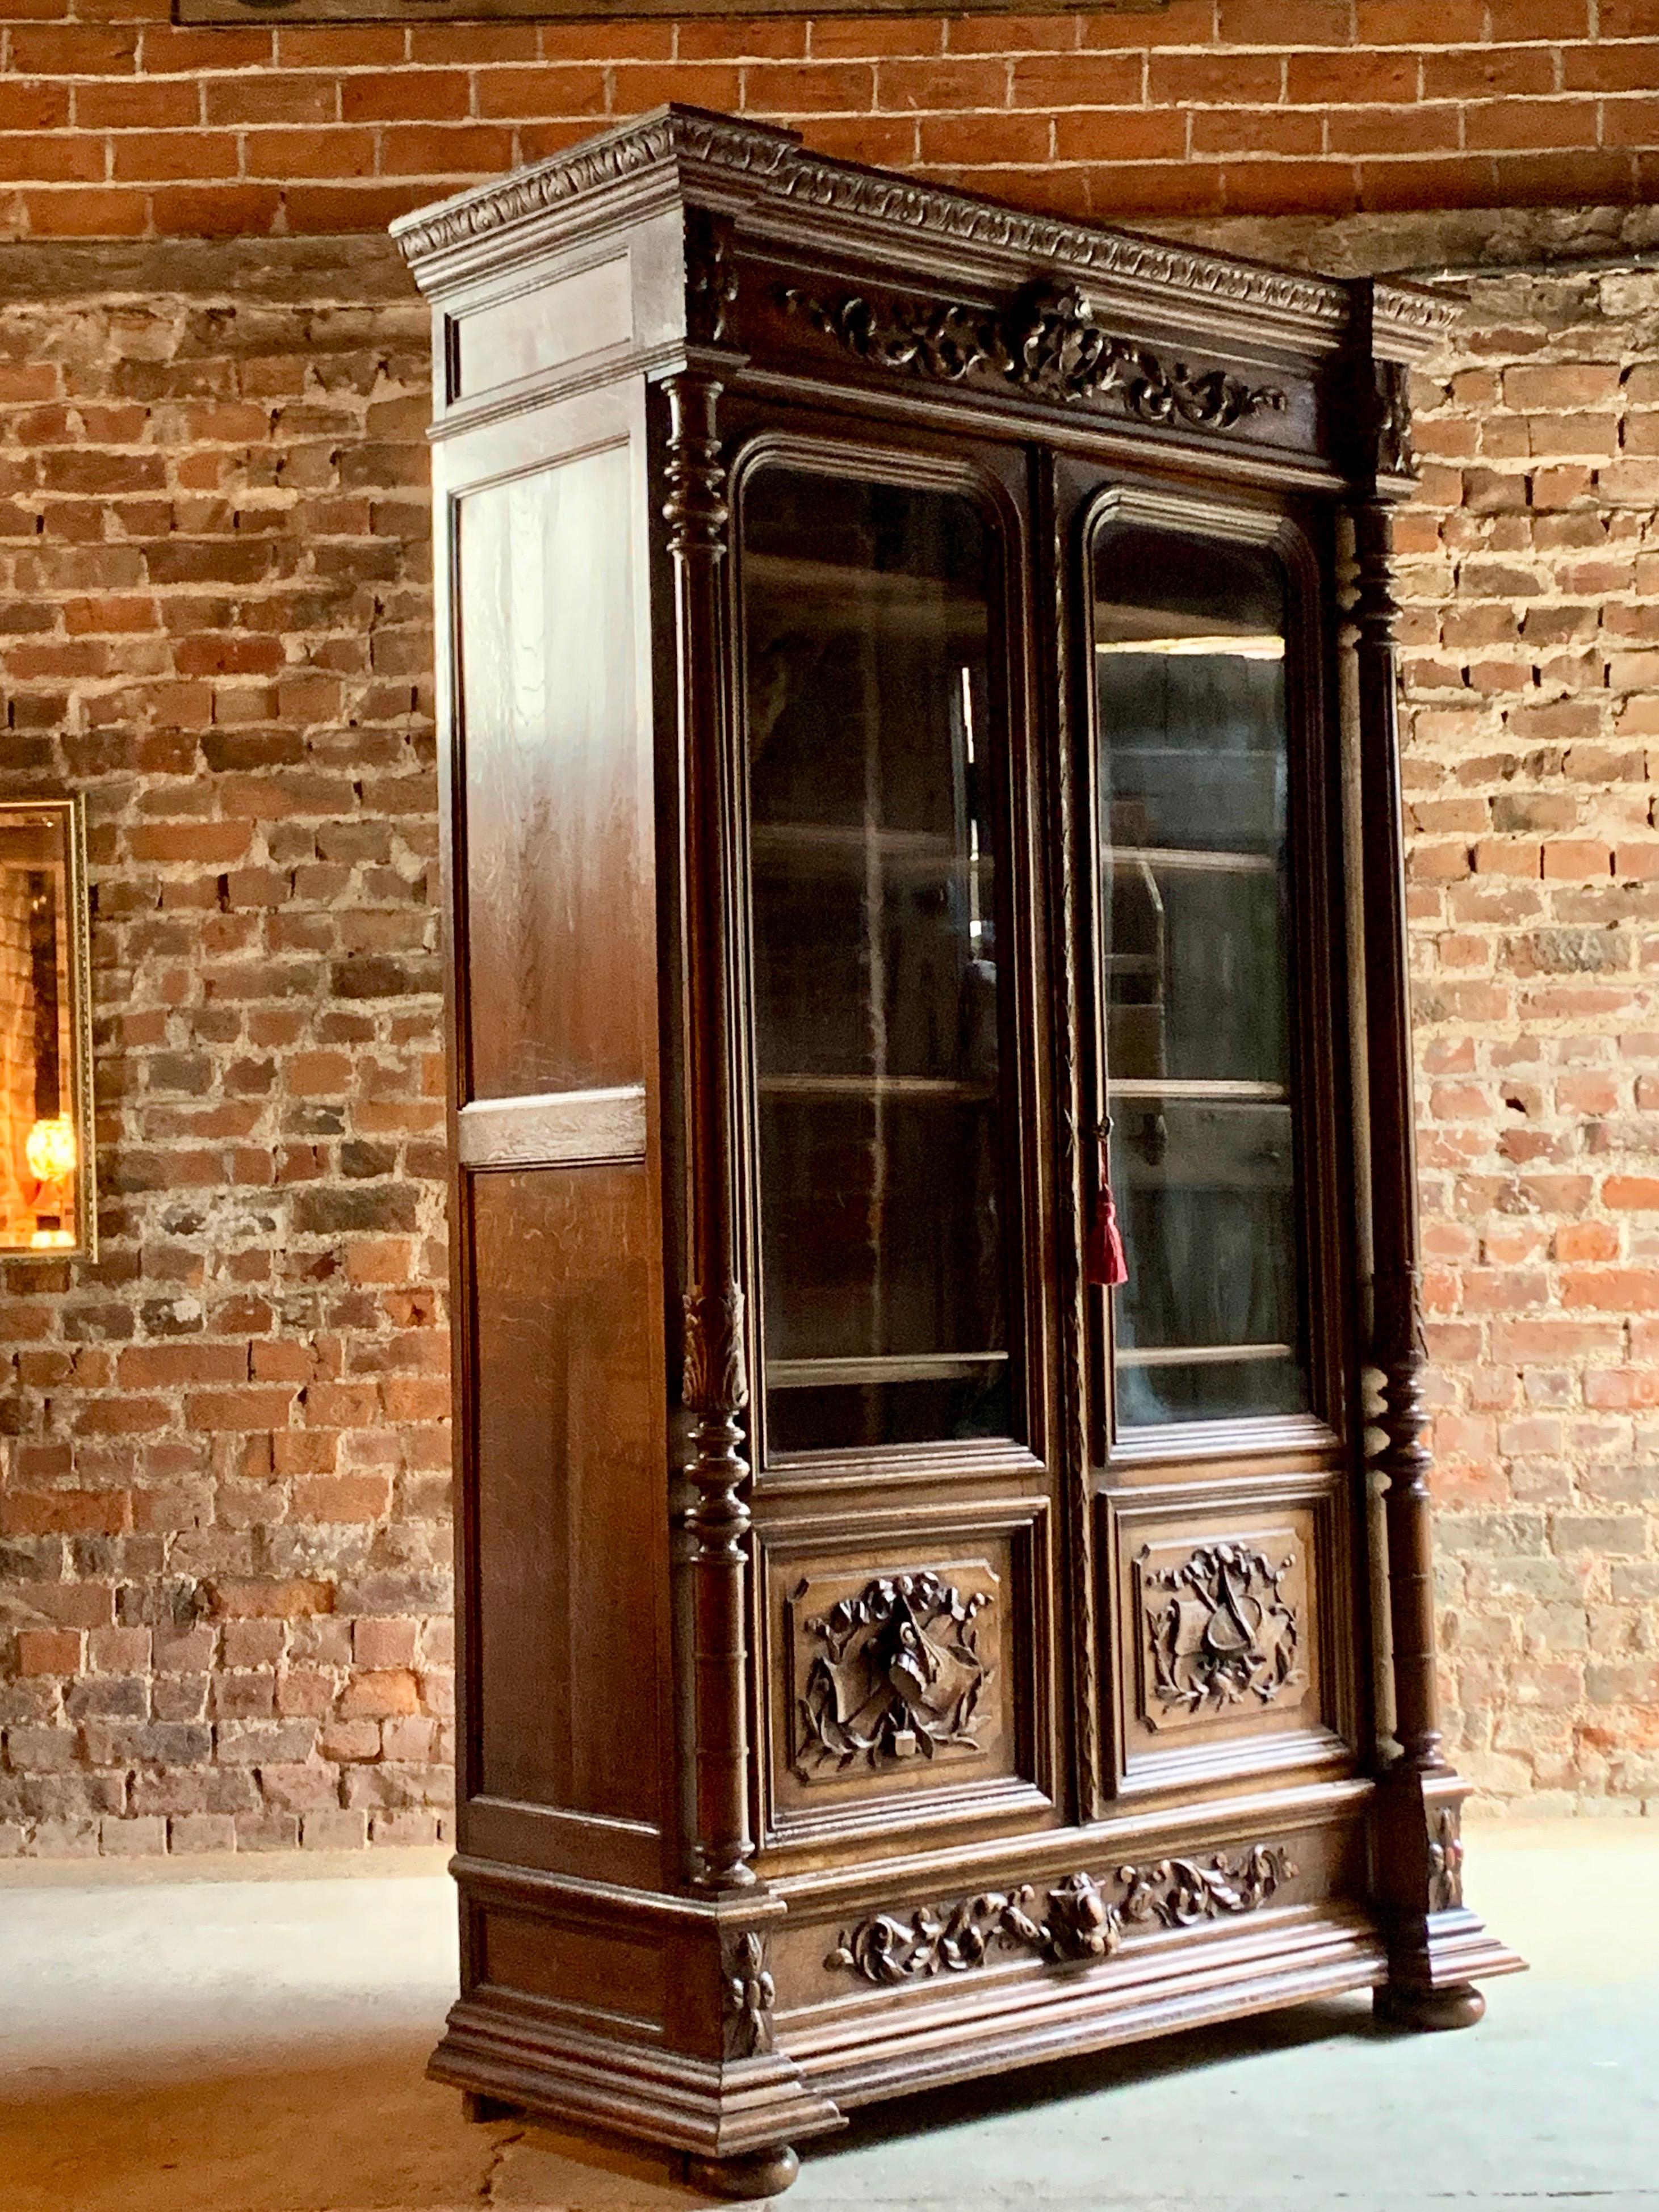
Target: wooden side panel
[(570, 1497), (556, 780), (561, 1392)]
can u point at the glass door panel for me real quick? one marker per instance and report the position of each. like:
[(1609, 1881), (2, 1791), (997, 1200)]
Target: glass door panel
[(874, 851), (1193, 770)]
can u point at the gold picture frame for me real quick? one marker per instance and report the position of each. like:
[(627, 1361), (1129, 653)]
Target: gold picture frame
[(48, 1153)]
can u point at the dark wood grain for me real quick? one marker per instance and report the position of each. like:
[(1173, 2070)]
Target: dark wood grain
[(556, 761), (807, 1761), (571, 1535)]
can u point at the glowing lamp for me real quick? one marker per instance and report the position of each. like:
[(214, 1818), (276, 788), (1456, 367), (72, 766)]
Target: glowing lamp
[(49, 1148)]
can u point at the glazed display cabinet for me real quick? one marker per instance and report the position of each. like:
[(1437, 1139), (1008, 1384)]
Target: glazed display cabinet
[(944, 1515)]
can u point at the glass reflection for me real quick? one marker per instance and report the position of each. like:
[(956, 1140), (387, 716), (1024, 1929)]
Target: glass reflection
[(1194, 760), (873, 863)]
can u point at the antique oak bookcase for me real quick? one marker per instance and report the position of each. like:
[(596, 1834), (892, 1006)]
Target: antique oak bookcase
[(944, 1515)]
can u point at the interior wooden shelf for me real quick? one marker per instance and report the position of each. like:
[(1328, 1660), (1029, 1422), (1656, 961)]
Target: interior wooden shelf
[(896, 1367), (1222, 1091), (1192, 857), (876, 598), (1199, 1355), (819, 845), (919, 1087)]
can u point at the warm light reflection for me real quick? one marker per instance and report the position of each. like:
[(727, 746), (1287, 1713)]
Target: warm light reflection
[(49, 1148)]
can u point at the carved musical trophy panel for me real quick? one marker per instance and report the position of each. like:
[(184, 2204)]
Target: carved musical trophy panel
[(1222, 1627), (895, 1676)]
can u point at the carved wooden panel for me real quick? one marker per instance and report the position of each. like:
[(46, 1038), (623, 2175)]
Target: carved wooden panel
[(901, 1679), (898, 1672), (1223, 1629), (896, 1678), (1079, 1918), (1047, 343), (1225, 1616)]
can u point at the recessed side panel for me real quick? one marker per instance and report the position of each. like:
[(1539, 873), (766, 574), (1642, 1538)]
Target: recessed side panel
[(568, 1454), (588, 312), (554, 774), (591, 1979)]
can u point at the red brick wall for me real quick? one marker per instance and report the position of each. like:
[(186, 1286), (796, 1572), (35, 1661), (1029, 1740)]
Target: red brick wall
[(224, 1546), (223, 1498), (1530, 580), (119, 123)]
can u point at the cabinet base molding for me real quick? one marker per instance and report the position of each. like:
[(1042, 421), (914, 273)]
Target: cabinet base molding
[(738, 2110), (1046, 2013), (1445, 1950)]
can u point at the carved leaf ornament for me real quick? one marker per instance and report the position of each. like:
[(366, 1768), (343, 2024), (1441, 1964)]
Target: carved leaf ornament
[(900, 1675), (1223, 1631), (751, 1994), (1445, 1861), (1079, 1921), (1048, 345)]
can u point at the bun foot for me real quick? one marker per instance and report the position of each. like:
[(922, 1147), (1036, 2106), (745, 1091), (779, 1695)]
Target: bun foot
[(1460, 2005), (477, 2106), (761, 2173)]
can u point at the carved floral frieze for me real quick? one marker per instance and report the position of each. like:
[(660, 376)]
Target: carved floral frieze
[(1219, 1630), (1047, 344), (896, 1673), (1080, 1919)]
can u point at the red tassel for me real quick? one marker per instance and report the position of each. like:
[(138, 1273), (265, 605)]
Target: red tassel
[(1105, 1260)]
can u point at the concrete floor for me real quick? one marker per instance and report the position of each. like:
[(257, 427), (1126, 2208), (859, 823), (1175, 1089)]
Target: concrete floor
[(229, 2043)]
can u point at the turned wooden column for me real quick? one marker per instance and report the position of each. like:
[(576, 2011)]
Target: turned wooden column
[(1397, 1348), (715, 1384)]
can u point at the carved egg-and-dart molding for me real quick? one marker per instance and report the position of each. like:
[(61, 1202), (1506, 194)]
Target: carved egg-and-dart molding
[(1047, 343), (1219, 1630), (1078, 1921), (897, 1673)]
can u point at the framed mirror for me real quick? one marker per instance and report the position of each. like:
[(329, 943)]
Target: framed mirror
[(48, 1206)]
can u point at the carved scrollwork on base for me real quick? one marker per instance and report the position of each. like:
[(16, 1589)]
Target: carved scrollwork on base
[(1048, 345), (1179, 1892), (1079, 1921), (1219, 1630), (899, 1674)]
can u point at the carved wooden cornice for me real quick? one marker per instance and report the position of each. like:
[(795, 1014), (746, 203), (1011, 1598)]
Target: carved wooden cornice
[(961, 219), (666, 135), (744, 162)]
